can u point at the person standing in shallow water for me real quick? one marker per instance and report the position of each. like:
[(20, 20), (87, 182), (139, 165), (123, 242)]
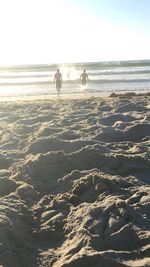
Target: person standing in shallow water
[(58, 80), (84, 78)]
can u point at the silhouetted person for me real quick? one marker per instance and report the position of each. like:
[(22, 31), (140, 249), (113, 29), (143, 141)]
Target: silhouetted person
[(84, 78), (68, 74), (58, 80)]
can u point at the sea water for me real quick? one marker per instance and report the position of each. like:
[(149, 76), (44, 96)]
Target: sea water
[(116, 76)]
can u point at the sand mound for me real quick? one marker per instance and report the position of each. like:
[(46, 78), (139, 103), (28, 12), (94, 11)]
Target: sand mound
[(16, 224), (74, 182)]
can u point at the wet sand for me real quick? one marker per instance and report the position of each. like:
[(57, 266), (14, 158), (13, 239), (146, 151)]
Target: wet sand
[(74, 181)]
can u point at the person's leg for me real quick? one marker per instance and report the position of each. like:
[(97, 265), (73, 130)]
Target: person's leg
[(58, 88)]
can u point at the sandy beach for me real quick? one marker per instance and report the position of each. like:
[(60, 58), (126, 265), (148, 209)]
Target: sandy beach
[(75, 181)]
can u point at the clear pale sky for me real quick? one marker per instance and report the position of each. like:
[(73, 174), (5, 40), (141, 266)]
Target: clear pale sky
[(51, 31)]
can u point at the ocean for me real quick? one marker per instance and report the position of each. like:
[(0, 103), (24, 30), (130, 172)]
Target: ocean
[(114, 76)]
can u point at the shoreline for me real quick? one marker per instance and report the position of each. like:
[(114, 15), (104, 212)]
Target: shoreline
[(73, 96)]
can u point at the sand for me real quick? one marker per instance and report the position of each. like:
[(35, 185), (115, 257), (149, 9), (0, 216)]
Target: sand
[(75, 181)]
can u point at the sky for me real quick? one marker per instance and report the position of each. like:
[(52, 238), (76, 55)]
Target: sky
[(61, 31)]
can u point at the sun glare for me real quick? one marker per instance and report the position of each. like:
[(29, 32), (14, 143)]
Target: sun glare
[(31, 31), (69, 72)]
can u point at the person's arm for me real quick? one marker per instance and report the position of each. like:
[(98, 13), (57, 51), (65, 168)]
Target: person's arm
[(54, 78)]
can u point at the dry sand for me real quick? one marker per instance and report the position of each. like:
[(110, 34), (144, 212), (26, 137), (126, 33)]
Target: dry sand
[(74, 182)]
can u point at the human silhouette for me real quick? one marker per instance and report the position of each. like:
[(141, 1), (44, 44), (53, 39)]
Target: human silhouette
[(84, 78), (68, 74), (58, 80)]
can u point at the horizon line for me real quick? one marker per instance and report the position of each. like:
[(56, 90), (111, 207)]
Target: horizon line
[(69, 63)]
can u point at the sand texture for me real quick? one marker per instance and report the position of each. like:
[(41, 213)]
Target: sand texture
[(74, 182)]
